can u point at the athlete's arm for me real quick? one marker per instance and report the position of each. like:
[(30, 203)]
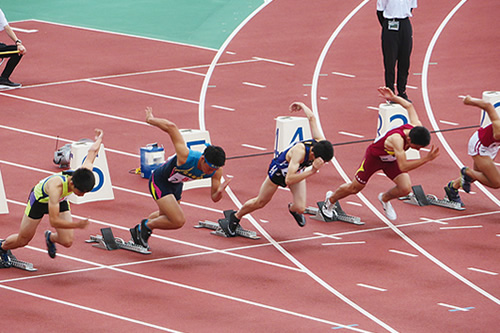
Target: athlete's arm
[(315, 131), (93, 150), (296, 156), (218, 188), (181, 149), (389, 95), (396, 143), (54, 188), (490, 110)]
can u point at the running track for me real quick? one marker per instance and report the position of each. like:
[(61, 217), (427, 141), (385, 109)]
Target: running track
[(433, 270)]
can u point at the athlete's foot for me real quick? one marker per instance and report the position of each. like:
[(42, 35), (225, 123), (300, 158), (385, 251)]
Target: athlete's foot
[(300, 218), (229, 225), (51, 246), (4, 257), (390, 213), (452, 193)]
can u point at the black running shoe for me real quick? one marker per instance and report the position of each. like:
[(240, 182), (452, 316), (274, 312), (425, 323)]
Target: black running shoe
[(8, 83), (300, 218), (51, 246), (229, 223), (466, 180), (452, 193), (4, 257), (140, 234)]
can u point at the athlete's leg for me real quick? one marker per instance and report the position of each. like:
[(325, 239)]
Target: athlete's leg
[(169, 216), (402, 188), (266, 193), (299, 197), (24, 236), (484, 171), (346, 190), (63, 236)]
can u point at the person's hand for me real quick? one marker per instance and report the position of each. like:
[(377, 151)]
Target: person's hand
[(296, 107), (318, 163), (149, 114), (386, 93), (468, 100), (21, 49), (82, 224), (433, 153), (98, 133)]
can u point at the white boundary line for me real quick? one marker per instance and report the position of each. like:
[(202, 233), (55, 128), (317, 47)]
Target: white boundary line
[(337, 166)]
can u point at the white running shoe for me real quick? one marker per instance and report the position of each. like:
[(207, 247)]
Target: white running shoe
[(389, 211), (327, 208)]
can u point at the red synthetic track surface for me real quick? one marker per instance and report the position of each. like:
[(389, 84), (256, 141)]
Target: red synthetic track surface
[(292, 279)]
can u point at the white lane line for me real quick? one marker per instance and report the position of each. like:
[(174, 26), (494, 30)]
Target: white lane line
[(344, 243), (328, 236), (28, 31), (373, 108), (352, 203), (222, 107), (370, 287), (343, 74), (456, 308), (481, 271), (252, 147), (274, 61), (190, 72), (462, 227), (253, 84), (351, 134), (448, 123), (404, 253)]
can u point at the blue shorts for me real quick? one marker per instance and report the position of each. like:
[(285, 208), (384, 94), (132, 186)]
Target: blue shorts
[(275, 174), (159, 187)]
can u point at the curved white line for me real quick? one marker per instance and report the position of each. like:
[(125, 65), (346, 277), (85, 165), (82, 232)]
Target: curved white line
[(263, 232), (428, 107), (215, 60), (443, 141)]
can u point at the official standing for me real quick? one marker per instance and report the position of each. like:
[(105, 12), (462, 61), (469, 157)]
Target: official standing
[(397, 40)]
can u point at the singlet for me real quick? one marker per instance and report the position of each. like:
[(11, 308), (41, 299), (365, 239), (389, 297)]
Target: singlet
[(486, 136), (39, 189), (181, 173), (280, 162), (377, 148)]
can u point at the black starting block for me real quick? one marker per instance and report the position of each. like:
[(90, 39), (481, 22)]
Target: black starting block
[(109, 242), (16, 263), (219, 232), (419, 198), (341, 215)]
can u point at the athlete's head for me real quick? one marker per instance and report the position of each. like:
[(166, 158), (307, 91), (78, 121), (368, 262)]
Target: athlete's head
[(323, 149), (83, 180), (214, 156), (420, 136)]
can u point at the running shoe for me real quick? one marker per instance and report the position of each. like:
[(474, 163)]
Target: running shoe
[(229, 223), (51, 246), (5, 82), (140, 234), (452, 193), (466, 180), (328, 209), (4, 257), (300, 218), (390, 213)]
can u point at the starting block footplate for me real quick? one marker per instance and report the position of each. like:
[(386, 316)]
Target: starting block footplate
[(16, 263), (108, 242), (419, 198), (219, 232), (341, 215)]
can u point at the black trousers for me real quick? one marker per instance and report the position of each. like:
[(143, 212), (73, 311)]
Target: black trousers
[(13, 61), (396, 48)]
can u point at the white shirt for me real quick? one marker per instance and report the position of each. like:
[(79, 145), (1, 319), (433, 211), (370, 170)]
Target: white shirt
[(3, 20), (399, 9)]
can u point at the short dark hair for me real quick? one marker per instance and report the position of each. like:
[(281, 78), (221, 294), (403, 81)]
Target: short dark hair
[(323, 149), (420, 135), (83, 179), (215, 155)]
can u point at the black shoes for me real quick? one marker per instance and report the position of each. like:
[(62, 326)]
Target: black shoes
[(300, 218), (141, 233), (8, 83), (229, 223), (51, 246)]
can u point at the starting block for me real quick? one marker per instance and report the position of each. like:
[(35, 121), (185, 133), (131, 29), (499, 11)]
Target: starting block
[(219, 232), (341, 215), (109, 242), (27, 266), (419, 198)]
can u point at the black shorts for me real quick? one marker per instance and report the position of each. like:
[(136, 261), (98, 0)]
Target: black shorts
[(159, 187), (36, 209)]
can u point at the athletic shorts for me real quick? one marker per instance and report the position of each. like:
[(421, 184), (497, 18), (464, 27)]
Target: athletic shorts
[(276, 175), (159, 188), (372, 164), (476, 148), (36, 209)]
